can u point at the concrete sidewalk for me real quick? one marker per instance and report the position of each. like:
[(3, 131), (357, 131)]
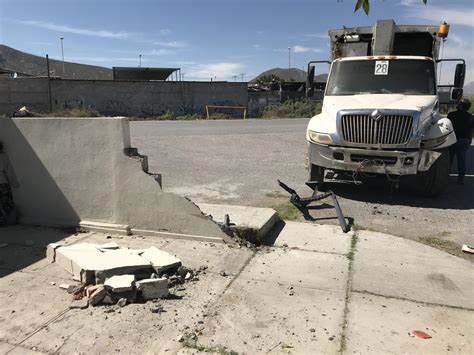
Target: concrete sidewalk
[(316, 290)]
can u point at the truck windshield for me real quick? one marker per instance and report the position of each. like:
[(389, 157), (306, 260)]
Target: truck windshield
[(397, 76)]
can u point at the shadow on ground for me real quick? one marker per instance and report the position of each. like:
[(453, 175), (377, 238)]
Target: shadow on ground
[(23, 246)]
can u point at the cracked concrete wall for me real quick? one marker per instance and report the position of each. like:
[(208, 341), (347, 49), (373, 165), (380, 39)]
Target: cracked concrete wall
[(121, 98), (76, 169)]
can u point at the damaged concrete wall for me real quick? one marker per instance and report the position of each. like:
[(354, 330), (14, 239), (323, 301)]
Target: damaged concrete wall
[(76, 169), (120, 98)]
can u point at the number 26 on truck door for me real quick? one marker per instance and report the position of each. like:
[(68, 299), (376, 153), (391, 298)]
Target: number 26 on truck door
[(381, 67)]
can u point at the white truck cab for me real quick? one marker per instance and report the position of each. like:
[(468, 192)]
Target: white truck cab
[(380, 112)]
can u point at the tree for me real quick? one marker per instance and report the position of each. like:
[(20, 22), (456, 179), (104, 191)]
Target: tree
[(268, 79), (364, 4)]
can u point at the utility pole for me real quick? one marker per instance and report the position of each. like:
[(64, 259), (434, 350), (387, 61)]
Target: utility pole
[(139, 60), (62, 54), (289, 57), (242, 76), (235, 77), (49, 85)]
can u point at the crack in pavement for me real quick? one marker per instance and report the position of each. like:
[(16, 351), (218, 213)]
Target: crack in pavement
[(365, 292), (350, 256), (41, 327)]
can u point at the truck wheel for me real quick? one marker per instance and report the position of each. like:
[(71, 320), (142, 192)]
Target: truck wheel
[(435, 180), (316, 173)]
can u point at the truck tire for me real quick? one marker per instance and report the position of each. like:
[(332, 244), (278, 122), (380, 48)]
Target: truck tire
[(316, 173), (435, 180)]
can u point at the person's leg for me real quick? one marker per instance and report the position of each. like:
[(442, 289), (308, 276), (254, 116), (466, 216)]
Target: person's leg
[(7, 207), (452, 153), (3, 203), (462, 147)]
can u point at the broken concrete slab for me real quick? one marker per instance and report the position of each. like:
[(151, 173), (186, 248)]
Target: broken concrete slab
[(153, 288), (161, 260), (96, 294), (108, 246), (260, 220), (89, 264), (51, 251), (120, 283)]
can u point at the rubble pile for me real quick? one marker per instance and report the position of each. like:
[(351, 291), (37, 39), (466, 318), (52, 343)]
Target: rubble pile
[(110, 274)]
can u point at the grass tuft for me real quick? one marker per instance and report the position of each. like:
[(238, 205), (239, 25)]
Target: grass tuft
[(448, 246), (286, 211), (73, 112)]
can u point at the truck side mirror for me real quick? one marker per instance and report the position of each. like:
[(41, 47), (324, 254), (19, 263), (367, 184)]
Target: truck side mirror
[(456, 94), (459, 75), (310, 82)]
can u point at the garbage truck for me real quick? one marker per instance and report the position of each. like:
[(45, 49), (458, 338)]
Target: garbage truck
[(380, 113)]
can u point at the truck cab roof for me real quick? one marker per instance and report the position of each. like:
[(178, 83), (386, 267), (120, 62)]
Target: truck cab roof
[(385, 57)]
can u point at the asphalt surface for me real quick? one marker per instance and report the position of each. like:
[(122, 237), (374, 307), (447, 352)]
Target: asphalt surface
[(239, 162)]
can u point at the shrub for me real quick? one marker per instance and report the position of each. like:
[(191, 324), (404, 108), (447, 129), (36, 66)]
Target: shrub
[(74, 112), (293, 109)]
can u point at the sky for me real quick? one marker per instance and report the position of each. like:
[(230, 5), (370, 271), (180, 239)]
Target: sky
[(219, 39)]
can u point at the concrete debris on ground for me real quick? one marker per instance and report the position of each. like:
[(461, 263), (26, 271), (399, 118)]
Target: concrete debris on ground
[(110, 274), (153, 288), (25, 112), (467, 249)]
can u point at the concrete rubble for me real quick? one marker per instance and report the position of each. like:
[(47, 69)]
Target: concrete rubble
[(110, 274)]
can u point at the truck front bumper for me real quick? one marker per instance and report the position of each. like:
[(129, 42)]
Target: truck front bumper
[(393, 162)]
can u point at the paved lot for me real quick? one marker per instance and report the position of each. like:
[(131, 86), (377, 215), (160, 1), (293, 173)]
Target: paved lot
[(316, 290), (238, 162)]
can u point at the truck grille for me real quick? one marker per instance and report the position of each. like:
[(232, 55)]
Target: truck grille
[(388, 130)]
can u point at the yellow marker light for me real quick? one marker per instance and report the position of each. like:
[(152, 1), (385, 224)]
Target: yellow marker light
[(443, 30)]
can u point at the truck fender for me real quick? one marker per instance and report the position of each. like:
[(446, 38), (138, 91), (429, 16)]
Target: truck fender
[(440, 134), (427, 158)]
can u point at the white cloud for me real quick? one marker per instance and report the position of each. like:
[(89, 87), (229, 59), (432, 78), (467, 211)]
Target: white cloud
[(110, 60), (256, 46), (182, 63), (165, 31), (302, 49), (75, 30), (149, 52), (453, 16), (457, 46), (317, 35), (411, 3), (219, 70), (462, 49), (171, 44), (158, 52)]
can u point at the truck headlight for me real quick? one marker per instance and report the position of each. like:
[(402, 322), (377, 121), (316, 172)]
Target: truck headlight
[(321, 138), (432, 143)]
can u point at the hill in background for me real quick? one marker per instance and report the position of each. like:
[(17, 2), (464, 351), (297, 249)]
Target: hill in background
[(293, 74), (19, 61), (469, 88)]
